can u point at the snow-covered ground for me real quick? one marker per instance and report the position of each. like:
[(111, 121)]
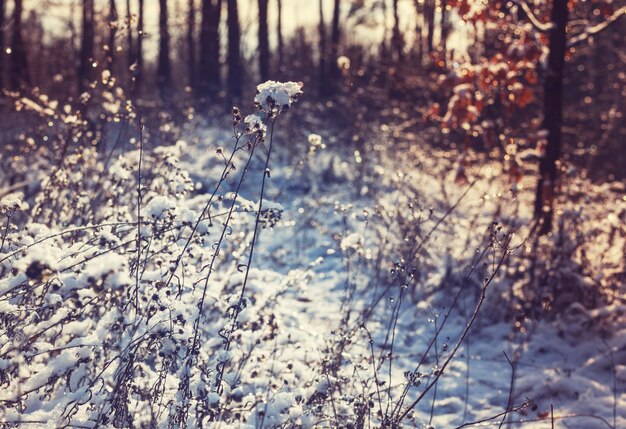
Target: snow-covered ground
[(366, 271)]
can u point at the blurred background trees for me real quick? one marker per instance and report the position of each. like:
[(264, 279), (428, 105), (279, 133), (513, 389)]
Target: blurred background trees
[(534, 42), (539, 85)]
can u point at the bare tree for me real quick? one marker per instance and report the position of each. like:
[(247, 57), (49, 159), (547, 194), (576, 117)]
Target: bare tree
[(210, 47), (429, 16), (85, 67), (383, 40), (444, 28), (191, 42), (553, 115), (396, 38), (234, 51), (279, 33), (37, 52), (419, 37), (137, 56), (164, 67), (334, 40), (322, 50), (19, 75), (264, 46), (129, 34), (2, 48), (112, 32)]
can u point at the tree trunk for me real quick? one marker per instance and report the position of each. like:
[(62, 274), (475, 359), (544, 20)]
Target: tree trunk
[(323, 89), (38, 63), (2, 48), (71, 27), (419, 24), (429, 15), (264, 45), (112, 32), (234, 51), (164, 68), (552, 117), (191, 43), (397, 36), (210, 47), (129, 35), (444, 30), (85, 68), (138, 55), (383, 53), (279, 32), (334, 42)]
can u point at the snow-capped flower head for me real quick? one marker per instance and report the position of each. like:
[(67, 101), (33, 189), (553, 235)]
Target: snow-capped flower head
[(255, 125), (315, 143), (236, 116), (315, 140), (343, 63), (11, 204), (274, 98)]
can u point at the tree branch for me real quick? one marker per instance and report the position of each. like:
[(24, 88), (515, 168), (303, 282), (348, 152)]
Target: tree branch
[(590, 31), (538, 25)]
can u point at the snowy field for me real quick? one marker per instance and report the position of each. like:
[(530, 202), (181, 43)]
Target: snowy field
[(330, 289)]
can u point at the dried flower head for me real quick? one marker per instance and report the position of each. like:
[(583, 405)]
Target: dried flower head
[(255, 125), (315, 143), (236, 116), (11, 204), (274, 98)]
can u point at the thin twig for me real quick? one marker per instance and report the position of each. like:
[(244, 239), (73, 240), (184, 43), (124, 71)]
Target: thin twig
[(255, 234), (136, 292), (510, 400), (482, 422), (501, 261)]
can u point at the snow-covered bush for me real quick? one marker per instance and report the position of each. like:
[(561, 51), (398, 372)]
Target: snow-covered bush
[(122, 292)]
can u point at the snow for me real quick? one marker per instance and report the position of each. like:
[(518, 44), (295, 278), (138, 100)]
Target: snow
[(305, 343), (12, 203), (276, 97), (254, 124)]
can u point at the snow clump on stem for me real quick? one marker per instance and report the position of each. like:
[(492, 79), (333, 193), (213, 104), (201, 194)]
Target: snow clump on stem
[(254, 125), (274, 98)]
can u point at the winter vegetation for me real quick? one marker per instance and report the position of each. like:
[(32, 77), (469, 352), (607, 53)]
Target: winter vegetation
[(312, 214)]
